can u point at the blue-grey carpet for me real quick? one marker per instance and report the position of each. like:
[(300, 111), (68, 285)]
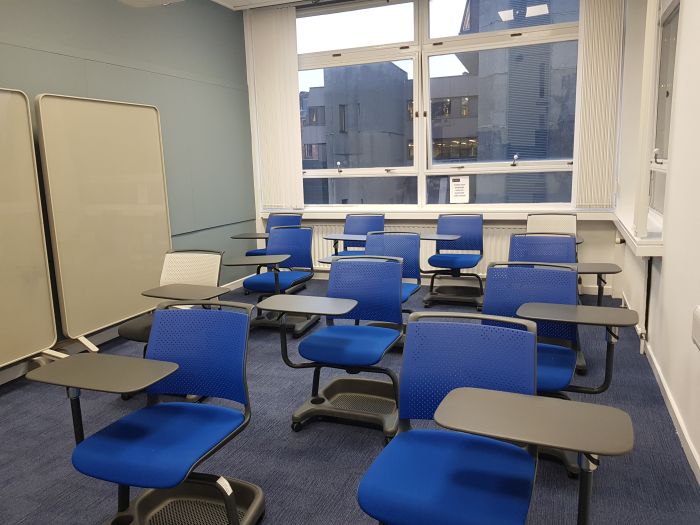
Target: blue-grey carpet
[(311, 477)]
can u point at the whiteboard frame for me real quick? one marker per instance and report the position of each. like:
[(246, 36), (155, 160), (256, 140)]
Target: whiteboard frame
[(65, 315), (40, 208)]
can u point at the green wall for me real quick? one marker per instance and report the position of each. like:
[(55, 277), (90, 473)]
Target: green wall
[(188, 59)]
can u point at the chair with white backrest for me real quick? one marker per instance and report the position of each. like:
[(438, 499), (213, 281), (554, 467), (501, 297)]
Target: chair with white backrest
[(180, 267)]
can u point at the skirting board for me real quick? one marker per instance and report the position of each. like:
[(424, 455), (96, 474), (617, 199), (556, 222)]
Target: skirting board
[(678, 422)]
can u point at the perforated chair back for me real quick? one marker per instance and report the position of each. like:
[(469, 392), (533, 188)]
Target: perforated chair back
[(440, 355), (191, 267), (552, 248), (397, 244), (210, 348), (361, 224), (375, 283), (294, 241), (282, 219), (509, 287), (552, 223), (470, 228)]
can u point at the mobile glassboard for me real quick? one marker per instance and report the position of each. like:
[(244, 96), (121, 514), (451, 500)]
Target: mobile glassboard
[(104, 181), (26, 310)]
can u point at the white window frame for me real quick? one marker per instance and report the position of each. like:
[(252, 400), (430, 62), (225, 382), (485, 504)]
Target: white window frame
[(422, 158)]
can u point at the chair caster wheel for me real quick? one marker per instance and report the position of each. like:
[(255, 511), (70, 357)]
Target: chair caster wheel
[(427, 305), (571, 475), (126, 397), (296, 427), (387, 440)]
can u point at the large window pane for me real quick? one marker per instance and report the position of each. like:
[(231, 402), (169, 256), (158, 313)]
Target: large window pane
[(489, 105), (374, 26), (667, 63), (464, 17), (361, 190), (505, 188), (359, 113)]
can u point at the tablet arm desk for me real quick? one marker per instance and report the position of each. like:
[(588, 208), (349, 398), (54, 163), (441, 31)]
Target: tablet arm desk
[(610, 318), (588, 429)]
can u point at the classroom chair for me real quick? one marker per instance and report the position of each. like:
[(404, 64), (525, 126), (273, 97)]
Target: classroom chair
[(512, 285), (552, 223), (292, 275), (360, 224), (551, 247), (375, 283), (274, 220), (179, 267), (405, 245), (441, 476), (470, 228), (160, 446)]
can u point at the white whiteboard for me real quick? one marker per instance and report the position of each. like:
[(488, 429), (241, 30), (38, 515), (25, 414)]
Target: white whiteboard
[(26, 310), (105, 189)]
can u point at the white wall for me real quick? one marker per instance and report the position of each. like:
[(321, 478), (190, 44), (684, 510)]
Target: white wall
[(676, 279)]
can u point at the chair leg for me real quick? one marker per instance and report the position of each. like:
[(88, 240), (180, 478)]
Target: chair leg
[(122, 498)]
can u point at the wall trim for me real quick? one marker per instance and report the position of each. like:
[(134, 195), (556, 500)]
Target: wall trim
[(692, 454)]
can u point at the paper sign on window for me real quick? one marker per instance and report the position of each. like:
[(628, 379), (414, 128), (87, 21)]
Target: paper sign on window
[(459, 190)]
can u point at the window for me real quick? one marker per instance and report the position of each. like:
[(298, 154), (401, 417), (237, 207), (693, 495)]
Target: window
[(371, 130), (353, 28), (390, 112), (449, 18), (519, 100), (664, 100)]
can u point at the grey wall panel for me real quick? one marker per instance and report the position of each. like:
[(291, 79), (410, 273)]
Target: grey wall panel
[(221, 237), (187, 59)]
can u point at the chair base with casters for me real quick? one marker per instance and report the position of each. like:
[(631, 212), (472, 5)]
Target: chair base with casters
[(204, 499), (352, 400), (466, 294)]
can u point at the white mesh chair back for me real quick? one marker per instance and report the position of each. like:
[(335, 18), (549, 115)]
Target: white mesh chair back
[(552, 223), (191, 268)]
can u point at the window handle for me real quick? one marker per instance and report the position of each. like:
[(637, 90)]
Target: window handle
[(656, 156), (337, 165), (515, 160), (388, 170)]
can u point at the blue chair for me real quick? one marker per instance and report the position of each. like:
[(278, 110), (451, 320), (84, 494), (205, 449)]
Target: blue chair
[(273, 221), (399, 244), (547, 248), (294, 241), (510, 286), (440, 476), (359, 224), (160, 445), (375, 283), (470, 228)]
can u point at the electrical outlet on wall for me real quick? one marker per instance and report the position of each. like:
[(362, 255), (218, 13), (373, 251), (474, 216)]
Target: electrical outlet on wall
[(696, 326)]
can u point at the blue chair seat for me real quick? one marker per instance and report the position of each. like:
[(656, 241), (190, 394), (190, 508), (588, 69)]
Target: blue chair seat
[(156, 446), (265, 282), (407, 290), (454, 260), (555, 367), (348, 345), (435, 476), (259, 251), (345, 253)]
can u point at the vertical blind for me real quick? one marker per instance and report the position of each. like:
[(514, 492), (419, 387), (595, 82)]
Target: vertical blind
[(600, 56)]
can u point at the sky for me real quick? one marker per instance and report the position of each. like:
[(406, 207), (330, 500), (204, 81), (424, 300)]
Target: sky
[(380, 25)]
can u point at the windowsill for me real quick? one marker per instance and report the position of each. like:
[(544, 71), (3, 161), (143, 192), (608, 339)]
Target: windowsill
[(650, 246), (490, 213)]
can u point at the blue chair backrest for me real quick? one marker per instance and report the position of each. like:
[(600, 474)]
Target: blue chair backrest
[(509, 287), (542, 248), (374, 283), (361, 224), (282, 219), (210, 347), (294, 241), (395, 244), (440, 356), (469, 226)]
